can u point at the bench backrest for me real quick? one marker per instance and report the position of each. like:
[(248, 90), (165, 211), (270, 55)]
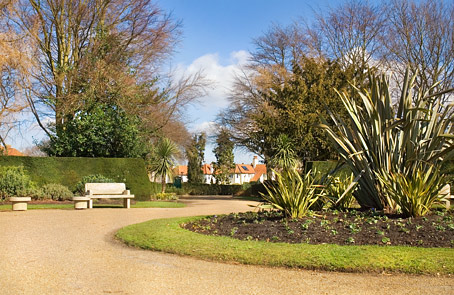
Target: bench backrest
[(105, 188), (445, 191)]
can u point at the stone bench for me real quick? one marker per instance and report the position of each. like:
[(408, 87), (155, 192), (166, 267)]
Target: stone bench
[(20, 203), (108, 191)]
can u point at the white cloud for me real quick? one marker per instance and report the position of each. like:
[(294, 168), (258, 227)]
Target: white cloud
[(209, 127), (221, 76)]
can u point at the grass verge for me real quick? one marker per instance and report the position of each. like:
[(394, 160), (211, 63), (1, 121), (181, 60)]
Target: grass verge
[(147, 204), (166, 235)]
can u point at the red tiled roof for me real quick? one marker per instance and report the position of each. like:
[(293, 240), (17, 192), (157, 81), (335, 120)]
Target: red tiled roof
[(206, 168), (180, 170), (244, 169), (260, 169), (12, 151)]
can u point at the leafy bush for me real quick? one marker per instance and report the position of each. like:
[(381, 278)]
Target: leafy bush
[(414, 194), (292, 193), (15, 182), (32, 192), (339, 192), (165, 196), (95, 178), (56, 192), (379, 139)]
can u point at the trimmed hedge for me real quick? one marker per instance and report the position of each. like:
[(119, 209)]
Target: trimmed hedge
[(324, 167), (252, 189), (69, 171)]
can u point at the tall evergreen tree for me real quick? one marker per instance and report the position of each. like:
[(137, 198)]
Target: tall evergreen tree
[(195, 153), (224, 157), (290, 108)]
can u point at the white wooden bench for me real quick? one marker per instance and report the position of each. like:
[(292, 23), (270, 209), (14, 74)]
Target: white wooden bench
[(108, 191), (445, 193)]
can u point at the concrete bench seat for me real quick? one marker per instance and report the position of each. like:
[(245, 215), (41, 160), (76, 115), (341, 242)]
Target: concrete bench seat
[(447, 198), (108, 191)]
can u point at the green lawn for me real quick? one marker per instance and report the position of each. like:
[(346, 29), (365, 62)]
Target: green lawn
[(40, 206), (166, 235), (149, 204)]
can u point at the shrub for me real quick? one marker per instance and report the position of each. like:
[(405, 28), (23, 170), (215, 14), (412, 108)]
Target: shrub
[(94, 178), (165, 196), (32, 192), (339, 192), (379, 139), (56, 192), (292, 193), (414, 194), (14, 182)]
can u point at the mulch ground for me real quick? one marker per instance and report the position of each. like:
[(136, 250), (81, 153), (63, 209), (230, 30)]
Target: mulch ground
[(331, 227)]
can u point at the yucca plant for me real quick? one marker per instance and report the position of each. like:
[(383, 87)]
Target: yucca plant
[(414, 194), (378, 140), (339, 192), (163, 160), (284, 156), (292, 193)]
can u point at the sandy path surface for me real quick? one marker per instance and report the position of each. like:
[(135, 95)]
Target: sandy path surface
[(73, 252)]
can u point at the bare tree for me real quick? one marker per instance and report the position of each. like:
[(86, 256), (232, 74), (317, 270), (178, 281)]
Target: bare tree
[(349, 33), (15, 63), (110, 51), (66, 29), (420, 35)]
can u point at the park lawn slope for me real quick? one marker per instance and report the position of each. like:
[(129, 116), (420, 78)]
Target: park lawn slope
[(166, 235)]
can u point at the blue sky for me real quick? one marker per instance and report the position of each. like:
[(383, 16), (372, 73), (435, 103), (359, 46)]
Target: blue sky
[(217, 35), (216, 38)]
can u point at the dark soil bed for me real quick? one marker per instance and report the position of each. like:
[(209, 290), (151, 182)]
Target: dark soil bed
[(331, 227)]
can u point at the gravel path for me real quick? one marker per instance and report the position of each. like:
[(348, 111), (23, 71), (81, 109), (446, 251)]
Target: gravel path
[(73, 252)]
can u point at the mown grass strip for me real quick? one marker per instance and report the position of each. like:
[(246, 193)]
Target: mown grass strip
[(145, 204), (40, 206), (166, 235)]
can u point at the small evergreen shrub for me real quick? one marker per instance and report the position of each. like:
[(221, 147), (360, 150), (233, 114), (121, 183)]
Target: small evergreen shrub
[(32, 192), (414, 194), (165, 196), (339, 192), (56, 192), (94, 178), (292, 193), (15, 182)]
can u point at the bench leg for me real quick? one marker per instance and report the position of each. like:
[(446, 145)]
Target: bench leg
[(127, 203), (90, 204)]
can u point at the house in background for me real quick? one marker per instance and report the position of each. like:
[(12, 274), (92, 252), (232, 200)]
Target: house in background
[(208, 176), (260, 171), (11, 151), (243, 173), (181, 171)]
